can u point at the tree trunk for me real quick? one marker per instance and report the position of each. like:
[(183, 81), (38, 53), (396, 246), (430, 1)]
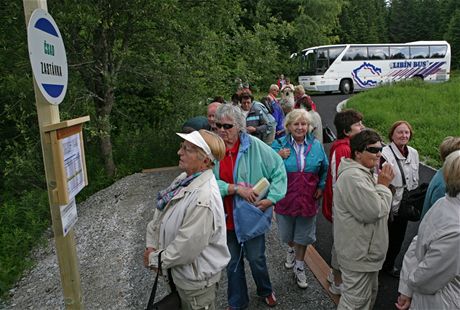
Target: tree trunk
[(104, 129), (106, 145)]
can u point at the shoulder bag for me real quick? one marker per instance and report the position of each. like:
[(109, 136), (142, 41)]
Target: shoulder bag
[(328, 135), (170, 301), (411, 204)]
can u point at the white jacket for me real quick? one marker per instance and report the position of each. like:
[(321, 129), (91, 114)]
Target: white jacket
[(191, 231), (431, 266), (410, 167)]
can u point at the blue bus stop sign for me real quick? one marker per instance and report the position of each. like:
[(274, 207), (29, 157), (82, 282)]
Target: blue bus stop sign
[(47, 56)]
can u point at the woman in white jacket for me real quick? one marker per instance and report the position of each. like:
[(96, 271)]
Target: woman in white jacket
[(398, 151), (188, 225), (430, 275)]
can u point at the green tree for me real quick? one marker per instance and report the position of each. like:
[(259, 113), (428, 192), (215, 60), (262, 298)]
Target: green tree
[(453, 37), (20, 149), (101, 36), (363, 22), (402, 21)]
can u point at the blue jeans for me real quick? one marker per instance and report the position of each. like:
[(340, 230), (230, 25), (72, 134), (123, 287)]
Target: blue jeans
[(254, 251)]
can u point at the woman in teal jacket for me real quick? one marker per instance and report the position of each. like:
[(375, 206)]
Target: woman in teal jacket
[(306, 166), (248, 217)]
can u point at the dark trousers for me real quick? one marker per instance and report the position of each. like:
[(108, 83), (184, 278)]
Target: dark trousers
[(396, 233)]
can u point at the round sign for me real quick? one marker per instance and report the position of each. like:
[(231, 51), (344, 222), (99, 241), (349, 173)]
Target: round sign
[(47, 56)]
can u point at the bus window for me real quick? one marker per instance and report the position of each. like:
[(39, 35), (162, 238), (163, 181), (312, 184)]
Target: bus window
[(322, 63), (378, 52), (438, 51), (355, 53), (419, 52), (399, 52), (334, 52)]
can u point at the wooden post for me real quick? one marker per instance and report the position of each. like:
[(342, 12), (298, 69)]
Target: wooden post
[(65, 246)]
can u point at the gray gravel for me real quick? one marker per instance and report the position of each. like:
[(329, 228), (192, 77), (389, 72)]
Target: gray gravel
[(110, 237)]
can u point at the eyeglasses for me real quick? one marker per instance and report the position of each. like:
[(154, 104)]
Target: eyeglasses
[(188, 149), (373, 149), (226, 126)]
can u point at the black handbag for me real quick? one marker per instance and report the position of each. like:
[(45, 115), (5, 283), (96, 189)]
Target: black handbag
[(328, 135), (170, 301), (411, 204)]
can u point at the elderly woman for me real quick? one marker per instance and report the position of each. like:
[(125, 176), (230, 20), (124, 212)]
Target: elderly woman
[(399, 151), (299, 93), (437, 187), (247, 160), (347, 123), (361, 208), (188, 226), (316, 123), (430, 276), (306, 166)]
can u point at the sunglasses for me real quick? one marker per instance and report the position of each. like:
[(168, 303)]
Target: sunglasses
[(373, 149), (226, 126)]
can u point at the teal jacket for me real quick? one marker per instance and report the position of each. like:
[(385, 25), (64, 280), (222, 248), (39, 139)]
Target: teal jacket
[(256, 160), (315, 162), (436, 190)]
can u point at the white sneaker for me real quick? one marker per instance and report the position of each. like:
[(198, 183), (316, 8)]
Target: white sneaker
[(330, 277), (336, 289), (290, 259), (300, 277)]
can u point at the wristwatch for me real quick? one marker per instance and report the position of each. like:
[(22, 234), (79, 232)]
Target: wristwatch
[(235, 188)]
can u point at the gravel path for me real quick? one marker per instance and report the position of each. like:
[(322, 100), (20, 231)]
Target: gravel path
[(110, 237)]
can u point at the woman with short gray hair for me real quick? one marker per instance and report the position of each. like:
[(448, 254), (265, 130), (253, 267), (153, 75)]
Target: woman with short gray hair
[(247, 161), (430, 275), (233, 112)]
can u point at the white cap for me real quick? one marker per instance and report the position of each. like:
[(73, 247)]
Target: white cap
[(196, 138)]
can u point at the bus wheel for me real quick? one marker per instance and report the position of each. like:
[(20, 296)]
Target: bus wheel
[(346, 87)]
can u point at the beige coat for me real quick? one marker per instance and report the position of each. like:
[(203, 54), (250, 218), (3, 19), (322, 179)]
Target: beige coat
[(191, 231), (361, 209)]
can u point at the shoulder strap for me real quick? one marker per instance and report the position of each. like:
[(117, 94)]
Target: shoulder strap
[(400, 168), (155, 284)]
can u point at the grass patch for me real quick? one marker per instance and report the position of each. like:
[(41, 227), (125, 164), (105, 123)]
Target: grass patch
[(433, 110), (22, 223)]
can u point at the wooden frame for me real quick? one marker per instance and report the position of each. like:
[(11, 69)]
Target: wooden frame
[(56, 135)]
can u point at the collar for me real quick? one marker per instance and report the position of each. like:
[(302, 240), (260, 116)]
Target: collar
[(198, 182), (292, 141), (234, 149), (400, 154)]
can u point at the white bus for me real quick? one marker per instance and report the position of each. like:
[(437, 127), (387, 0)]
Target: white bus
[(354, 67)]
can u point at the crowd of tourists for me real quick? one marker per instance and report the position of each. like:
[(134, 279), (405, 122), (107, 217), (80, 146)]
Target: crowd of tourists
[(250, 161)]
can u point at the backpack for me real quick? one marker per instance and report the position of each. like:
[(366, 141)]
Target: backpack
[(268, 136)]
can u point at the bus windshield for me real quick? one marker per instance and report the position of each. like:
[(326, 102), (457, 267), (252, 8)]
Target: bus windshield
[(308, 63), (317, 61)]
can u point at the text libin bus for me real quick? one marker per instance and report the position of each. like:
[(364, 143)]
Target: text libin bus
[(349, 67)]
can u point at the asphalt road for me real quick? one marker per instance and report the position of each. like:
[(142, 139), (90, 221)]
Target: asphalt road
[(388, 286)]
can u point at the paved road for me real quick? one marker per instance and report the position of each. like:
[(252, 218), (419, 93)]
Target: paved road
[(388, 287)]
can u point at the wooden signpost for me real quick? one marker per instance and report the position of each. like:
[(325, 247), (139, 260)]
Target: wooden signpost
[(62, 142)]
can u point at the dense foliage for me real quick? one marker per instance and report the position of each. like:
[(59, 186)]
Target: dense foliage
[(140, 68)]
